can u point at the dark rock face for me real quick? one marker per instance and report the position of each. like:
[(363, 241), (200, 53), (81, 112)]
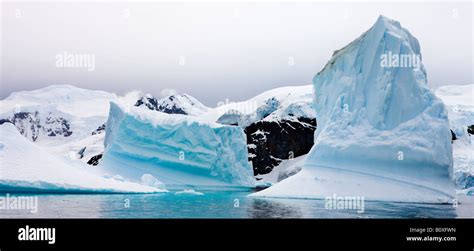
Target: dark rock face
[(149, 101), (171, 107), (81, 152), (470, 129), (4, 121), (99, 129), (95, 160), (29, 125), (173, 104), (269, 142)]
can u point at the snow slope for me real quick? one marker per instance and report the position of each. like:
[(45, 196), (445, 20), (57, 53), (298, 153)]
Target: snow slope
[(65, 98), (25, 166), (459, 100), (181, 151), (61, 118), (382, 133), (285, 169)]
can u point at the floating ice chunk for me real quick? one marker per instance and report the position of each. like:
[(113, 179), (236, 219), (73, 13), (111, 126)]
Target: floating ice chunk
[(188, 192), (178, 150)]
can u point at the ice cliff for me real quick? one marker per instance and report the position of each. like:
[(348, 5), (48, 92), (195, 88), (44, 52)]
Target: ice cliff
[(181, 151), (381, 132), (27, 167)]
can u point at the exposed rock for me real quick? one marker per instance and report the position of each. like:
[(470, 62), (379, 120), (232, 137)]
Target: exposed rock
[(174, 104), (95, 160), (271, 141), (81, 152), (453, 136), (99, 129), (57, 126), (30, 125)]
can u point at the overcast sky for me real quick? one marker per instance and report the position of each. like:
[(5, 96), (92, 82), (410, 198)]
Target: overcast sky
[(213, 51)]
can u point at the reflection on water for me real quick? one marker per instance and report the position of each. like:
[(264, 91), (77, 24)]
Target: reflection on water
[(217, 205), (410, 210), (295, 208), (264, 208)]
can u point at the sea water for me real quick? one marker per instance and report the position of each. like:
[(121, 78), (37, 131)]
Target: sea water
[(220, 205)]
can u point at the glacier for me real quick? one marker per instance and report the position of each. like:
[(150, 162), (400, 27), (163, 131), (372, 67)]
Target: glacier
[(183, 152), (27, 167), (382, 133)]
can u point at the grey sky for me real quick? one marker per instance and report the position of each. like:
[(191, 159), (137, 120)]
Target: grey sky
[(230, 51)]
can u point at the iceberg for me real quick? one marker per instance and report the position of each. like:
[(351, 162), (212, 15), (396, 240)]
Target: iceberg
[(382, 133), (26, 167), (181, 151), (188, 192)]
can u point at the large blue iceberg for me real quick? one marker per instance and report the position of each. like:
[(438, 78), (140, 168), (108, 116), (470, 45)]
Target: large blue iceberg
[(381, 132), (180, 151)]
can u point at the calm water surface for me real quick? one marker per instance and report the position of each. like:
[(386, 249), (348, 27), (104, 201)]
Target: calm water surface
[(220, 205)]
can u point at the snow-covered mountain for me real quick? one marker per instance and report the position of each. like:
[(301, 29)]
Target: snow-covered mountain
[(382, 133), (64, 119), (173, 104), (57, 111), (64, 98), (287, 103)]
